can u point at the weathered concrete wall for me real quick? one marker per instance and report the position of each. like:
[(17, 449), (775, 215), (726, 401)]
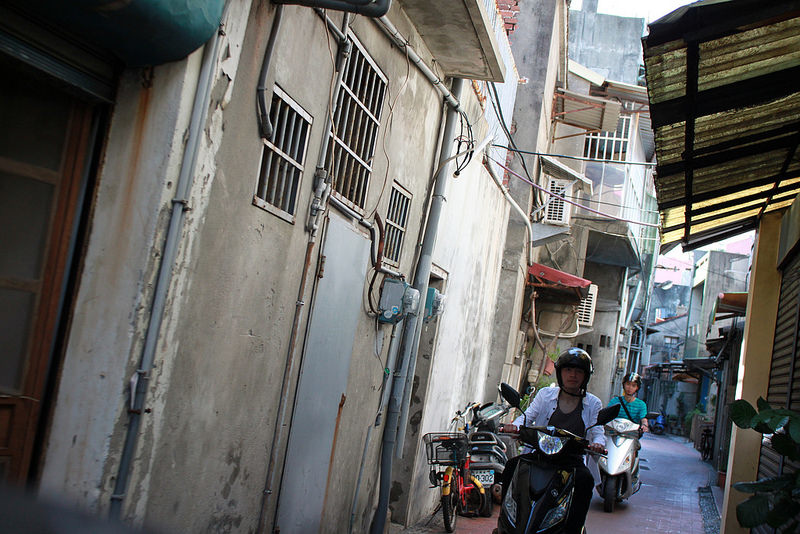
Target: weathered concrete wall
[(140, 166), (201, 460), (607, 44)]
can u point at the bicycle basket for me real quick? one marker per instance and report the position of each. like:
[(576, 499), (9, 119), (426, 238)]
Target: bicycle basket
[(446, 448)]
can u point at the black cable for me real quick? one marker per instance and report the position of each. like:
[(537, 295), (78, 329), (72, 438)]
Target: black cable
[(498, 111)]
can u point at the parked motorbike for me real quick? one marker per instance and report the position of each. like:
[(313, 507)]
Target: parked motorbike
[(487, 451), (540, 493), (619, 469), (656, 422)]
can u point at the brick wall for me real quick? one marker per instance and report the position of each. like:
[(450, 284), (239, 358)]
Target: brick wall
[(509, 9)]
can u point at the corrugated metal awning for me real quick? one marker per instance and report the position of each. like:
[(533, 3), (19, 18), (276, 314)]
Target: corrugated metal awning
[(584, 111), (725, 108)]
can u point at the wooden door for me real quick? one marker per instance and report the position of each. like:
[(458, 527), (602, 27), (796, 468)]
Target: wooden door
[(44, 135)]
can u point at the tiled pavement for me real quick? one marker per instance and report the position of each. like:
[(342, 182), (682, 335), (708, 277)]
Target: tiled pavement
[(668, 502)]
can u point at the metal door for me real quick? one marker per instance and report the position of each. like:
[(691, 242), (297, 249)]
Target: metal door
[(323, 379)]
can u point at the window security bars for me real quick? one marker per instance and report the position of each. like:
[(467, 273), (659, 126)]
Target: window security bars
[(396, 219), (283, 157), (609, 145), (356, 120)]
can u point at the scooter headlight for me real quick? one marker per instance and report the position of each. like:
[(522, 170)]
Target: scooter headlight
[(550, 444), (557, 514)]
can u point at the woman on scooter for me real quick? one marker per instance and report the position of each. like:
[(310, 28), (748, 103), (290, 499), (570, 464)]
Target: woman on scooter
[(632, 408), (569, 407)]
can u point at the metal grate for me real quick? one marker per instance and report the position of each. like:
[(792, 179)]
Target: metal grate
[(283, 157), (356, 120), (396, 220), (609, 145), (557, 211)]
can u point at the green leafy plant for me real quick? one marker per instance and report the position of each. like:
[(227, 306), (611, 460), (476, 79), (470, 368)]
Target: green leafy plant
[(775, 500)]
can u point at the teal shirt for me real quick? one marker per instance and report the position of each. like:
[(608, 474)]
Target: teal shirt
[(638, 408)]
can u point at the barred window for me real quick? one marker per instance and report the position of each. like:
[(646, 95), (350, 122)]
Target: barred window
[(351, 145), (609, 145), (283, 157), (396, 220)]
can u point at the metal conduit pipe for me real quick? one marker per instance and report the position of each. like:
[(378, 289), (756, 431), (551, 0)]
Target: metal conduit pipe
[(265, 128), (499, 183), (376, 8), (332, 27), (389, 29), (394, 345), (171, 243), (413, 329), (318, 202)]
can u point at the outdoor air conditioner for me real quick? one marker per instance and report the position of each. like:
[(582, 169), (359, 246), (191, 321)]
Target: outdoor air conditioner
[(586, 308), (557, 211)]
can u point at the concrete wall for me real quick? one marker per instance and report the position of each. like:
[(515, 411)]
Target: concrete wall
[(205, 443), (607, 44)]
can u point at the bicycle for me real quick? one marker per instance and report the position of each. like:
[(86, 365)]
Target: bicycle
[(462, 493), (706, 443)]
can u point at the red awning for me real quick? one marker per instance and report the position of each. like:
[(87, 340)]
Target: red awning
[(546, 277), (554, 276)]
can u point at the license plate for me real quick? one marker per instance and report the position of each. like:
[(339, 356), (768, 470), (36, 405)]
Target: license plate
[(485, 477)]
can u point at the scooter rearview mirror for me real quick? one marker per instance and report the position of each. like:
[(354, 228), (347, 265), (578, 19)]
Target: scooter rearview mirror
[(607, 414), (510, 395)]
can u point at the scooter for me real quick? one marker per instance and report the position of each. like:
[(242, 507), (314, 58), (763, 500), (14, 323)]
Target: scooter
[(656, 422), (539, 496), (487, 451), (619, 470)]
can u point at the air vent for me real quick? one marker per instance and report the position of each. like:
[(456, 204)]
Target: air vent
[(557, 211), (586, 309)]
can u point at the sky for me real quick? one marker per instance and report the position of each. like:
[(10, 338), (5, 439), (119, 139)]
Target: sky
[(650, 10)]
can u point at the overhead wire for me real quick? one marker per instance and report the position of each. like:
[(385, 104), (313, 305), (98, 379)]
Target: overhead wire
[(606, 215)]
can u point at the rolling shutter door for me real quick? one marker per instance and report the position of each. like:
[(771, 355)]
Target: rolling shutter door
[(784, 377)]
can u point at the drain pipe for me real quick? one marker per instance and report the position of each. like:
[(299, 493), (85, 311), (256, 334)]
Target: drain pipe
[(389, 29), (394, 345), (265, 127), (140, 380), (516, 207), (318, 204), (405, 405), (413, 329)]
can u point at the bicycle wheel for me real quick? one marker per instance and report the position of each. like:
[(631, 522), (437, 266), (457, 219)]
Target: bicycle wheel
[(450, 503)]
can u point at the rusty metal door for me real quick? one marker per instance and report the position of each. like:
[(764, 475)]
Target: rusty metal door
[(323, 378), (44, 134)]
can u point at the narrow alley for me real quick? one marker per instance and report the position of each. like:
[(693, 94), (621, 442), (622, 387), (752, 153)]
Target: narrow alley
[(668, 503)]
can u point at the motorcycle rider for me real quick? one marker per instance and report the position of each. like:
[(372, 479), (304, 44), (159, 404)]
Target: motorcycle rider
[(571, 408), (632, 408)]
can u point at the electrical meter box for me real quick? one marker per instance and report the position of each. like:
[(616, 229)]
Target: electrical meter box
[(434, 304), (398, 299)]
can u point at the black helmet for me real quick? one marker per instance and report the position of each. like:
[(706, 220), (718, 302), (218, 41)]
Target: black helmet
[(575, 357), (633, 377)]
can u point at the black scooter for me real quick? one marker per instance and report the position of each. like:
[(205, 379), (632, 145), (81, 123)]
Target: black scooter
[(488, 454), (539, 496)]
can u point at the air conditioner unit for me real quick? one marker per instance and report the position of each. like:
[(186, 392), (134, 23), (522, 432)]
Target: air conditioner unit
[(586, 309), (557, 211)]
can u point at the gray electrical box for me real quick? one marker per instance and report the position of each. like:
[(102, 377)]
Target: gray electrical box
[(397, 300)]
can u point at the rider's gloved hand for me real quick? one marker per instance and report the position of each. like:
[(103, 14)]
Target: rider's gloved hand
[(596, 447), (509, 428)]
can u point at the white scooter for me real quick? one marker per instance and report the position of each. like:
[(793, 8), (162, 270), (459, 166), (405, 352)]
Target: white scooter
[(619, 471)]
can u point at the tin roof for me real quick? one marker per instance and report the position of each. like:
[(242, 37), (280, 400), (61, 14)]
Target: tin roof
[(725, 109)]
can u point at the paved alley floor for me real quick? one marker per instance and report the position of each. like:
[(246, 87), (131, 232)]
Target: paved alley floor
[(668, 502)]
